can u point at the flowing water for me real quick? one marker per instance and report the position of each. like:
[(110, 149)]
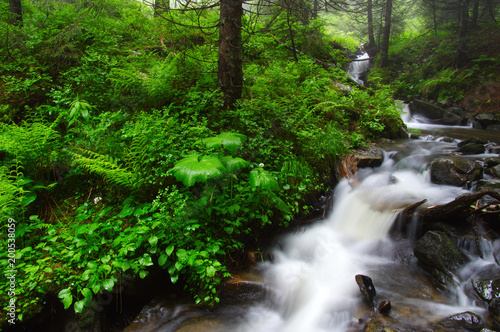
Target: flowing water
[(310, 284), (358, 67)]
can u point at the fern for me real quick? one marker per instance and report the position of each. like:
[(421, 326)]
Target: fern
[(106, 167), (30, 146)]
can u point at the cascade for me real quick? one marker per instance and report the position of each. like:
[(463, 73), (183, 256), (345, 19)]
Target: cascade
[(310, 283), (358, 67)]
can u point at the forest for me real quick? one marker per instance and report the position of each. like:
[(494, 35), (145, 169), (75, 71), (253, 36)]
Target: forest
[(138, 136)]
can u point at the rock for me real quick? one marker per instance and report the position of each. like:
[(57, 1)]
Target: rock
[(494, 310), (245, 289), (487, 289), (427, 110), (472, 149), (383, 323), (369, 157), (366, 287), (457, 111), (485, 119), (465, 321), (384, 307), (494, 171), (453, 119), (493, 127), (492, 161), (440, 257), (494, 149), (454, 171), (473, 140)]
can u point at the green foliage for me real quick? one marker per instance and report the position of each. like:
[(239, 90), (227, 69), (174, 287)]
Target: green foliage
[(116, 157), (106, 167)]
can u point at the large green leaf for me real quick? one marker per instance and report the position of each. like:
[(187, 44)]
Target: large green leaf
[(234, 164), (230, 141), (259, 177), (197, 168)]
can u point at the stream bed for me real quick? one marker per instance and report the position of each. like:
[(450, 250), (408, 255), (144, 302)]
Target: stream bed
[(310, 285)]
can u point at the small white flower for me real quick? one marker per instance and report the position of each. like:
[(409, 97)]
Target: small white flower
[(261, 165), (97, 200)]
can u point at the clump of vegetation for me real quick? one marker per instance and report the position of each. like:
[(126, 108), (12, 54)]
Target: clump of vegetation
[(116, 155)]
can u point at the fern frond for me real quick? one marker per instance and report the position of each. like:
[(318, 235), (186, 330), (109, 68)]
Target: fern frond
[(106, 167)]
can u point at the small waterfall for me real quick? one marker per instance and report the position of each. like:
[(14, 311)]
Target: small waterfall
[(311, 282), (358, 67)]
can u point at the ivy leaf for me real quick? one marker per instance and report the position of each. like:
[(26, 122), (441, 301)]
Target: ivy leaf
[(197, 168), (169, 250), (79, 306), (211, 271), (259, 177), (108, 284), (87, 293), (162, 259), (66, 297), (230, 141), (153, 240)]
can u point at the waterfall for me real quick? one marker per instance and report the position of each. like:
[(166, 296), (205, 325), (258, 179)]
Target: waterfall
[(312, 280), (358, 67)]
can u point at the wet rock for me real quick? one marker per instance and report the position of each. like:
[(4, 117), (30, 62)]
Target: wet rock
[(465, 321), (487, 289), (384, 307), (244, 289), (494, 149), (369, 157), (485, 119), (492, 161), (425, 109), (493, 127), (366, 287), (455, 171), (472, 140), (472, 148), (440, 257), (383, 323), (494, 171), (452, 116), (494, 311)]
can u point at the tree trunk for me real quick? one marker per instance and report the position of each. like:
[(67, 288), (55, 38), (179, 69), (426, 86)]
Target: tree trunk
[(230, 70), (434, 18), (491, 10), (462, 33), (16, 13), (475, 14), (384, 51), (372, 47)]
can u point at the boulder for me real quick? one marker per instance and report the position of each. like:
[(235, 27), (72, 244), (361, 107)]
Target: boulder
[(493, 127), (427, 110), (485, 119), (452, 116), (487, 289), (472, 148), (494, 171), (370, 156), (494, 311), (440, 257), (465, 321), (454, 171)]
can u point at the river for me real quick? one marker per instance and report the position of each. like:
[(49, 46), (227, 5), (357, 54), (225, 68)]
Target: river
[(310, 284)]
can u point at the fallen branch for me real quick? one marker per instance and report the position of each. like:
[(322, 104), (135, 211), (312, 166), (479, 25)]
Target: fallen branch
[(462, 206)]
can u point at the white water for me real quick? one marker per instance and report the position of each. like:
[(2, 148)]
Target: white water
[(312, 280), (358, 67)]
